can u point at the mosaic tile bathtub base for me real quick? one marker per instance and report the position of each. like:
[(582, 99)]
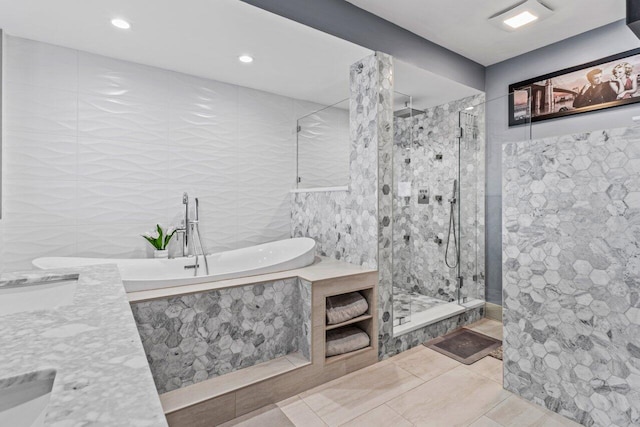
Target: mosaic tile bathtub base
[(192, 338)]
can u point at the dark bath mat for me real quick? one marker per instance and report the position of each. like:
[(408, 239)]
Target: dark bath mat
[(464, 345)]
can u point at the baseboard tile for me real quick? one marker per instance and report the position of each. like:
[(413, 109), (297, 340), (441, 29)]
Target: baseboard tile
[(493, 311)]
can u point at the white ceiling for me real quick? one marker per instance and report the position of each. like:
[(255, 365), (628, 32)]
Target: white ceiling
[(463, 27), (205, 37), (198, 37)]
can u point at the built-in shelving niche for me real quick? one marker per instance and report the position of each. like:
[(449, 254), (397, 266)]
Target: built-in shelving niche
[(364, 322)]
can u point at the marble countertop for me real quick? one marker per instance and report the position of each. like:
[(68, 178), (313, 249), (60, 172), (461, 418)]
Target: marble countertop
[(102, 378), (322, 269)]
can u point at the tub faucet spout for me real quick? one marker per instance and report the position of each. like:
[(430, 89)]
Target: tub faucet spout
[(183, 230), (192, 239)]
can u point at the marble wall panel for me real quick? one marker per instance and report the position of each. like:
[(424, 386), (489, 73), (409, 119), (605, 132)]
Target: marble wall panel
[(571, 275), (385, 202)]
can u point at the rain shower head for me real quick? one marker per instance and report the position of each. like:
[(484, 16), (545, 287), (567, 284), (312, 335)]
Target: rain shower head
[(407, 112)]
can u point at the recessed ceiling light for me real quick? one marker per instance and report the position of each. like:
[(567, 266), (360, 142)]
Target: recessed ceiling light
[(520, 19), (521, 14), (469, 108), (245, 58), (120, 23)]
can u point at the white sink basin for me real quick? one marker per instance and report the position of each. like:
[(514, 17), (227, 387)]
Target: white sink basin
[(39, 294), (24, 398)]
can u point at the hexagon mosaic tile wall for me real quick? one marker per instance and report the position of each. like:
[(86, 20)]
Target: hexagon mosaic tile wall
[(571, 254), (192, 338)]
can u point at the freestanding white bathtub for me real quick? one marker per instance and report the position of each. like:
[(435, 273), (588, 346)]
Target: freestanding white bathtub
[(147, 273)]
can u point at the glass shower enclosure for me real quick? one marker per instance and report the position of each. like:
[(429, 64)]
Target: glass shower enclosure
[(439, 209)]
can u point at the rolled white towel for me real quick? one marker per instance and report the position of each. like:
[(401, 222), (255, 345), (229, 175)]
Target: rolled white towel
[(343, 307)]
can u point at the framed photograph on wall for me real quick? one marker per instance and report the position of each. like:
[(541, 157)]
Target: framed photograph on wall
[(604, 83)]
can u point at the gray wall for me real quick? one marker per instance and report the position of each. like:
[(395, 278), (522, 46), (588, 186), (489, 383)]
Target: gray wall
[(604, 41), (348, 22), (1, 115)]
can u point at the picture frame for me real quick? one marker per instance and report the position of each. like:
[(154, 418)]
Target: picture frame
[(577, 90)]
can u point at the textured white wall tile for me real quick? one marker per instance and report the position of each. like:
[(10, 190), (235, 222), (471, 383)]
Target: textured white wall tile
[(36, 109), (263, 215), (122, 118), (2, 248), (113, 241), (39, 64), (264, 107), (202, 110), (214, 162), (122, 161), (185, 89), (304, 108), (121, 203), (267, 148), (40, 156), (39, 203), (110, 157), (198, 124), (266, 141), (218, 232), (23, 244), (111, 78)]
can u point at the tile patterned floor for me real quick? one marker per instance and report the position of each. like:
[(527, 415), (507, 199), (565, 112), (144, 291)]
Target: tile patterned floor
[(419, 387), (406, 303)]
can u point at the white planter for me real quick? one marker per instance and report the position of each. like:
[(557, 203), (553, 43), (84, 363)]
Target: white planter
[(161, 253)]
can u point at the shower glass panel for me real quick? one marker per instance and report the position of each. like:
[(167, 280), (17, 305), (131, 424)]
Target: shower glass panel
[(323, 147), (439, 206), (470, 205), (402, 259)]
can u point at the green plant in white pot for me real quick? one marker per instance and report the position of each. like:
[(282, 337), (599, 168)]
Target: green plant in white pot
[(161, 241)]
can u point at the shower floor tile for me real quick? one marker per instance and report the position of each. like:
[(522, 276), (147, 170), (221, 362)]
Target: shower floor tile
[(406, 303)]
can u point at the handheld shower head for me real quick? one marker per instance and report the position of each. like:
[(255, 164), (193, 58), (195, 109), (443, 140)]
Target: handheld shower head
[(185, 199), (452, 230), (455, 191)]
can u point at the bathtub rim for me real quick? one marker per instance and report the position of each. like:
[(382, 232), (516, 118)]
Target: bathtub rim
[(322, 268), (304, 250)]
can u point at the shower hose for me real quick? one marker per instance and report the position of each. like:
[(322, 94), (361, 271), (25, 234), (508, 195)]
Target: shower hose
[(452, 230)]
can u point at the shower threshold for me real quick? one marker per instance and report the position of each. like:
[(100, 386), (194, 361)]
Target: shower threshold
[(435, 314)]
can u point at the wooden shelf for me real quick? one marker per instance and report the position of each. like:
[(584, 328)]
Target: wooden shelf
[(366, 322), (349, 322), (337, 358)]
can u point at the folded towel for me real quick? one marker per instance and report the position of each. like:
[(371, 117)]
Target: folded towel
[(345, 340), (341, 308)]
